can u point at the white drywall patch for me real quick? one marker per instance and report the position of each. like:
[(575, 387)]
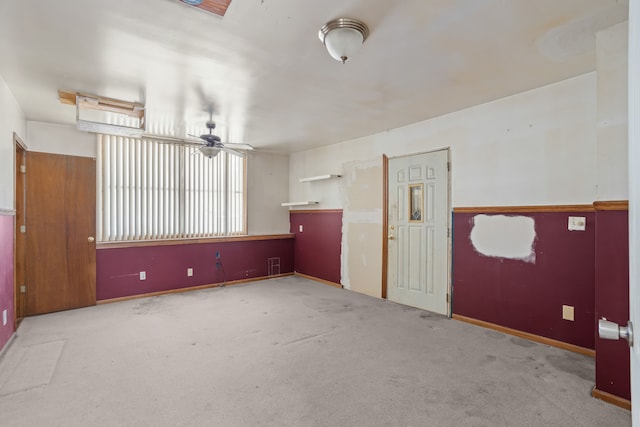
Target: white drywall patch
[(361, 263), (502, 236)]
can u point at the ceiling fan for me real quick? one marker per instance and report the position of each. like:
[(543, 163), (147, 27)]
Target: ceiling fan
[(213, 145)]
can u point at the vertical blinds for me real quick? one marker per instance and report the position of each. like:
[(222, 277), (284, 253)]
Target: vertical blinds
[(156, 190)]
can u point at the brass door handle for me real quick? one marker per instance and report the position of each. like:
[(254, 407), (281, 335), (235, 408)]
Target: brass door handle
[(91, 239), (391, 237)]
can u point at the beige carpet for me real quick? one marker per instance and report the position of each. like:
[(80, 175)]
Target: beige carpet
[(286, 352)]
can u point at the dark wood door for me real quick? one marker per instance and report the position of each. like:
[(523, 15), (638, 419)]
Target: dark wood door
[(61, 215)]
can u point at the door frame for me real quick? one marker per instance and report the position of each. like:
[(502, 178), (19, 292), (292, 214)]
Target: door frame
[(634, 203), (385, 223), (19, 241)]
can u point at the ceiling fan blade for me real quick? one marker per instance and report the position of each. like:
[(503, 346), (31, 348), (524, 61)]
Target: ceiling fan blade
[(240, 146), (231, 151), (194, 143), (173, 141)]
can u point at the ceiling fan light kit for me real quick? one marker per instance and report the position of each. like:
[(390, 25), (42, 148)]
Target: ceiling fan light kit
[(213, 143), (209, 151), (343, 37)]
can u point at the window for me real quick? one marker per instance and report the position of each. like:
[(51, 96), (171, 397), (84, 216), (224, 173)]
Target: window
[(155, 190)]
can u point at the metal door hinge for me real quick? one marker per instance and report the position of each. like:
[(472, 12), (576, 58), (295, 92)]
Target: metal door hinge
[(23, 229), (448, 298), (448, 166), (448, 232), (23, 169)]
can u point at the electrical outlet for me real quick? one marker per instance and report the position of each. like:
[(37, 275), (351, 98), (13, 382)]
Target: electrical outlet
[(4, 317), (568, 312), (577, 223), (189, 272), (143, 275), (218, 265), (217, 255)]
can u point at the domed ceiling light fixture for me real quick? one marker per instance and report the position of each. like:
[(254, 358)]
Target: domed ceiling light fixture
[(209, 151), (343, 37)]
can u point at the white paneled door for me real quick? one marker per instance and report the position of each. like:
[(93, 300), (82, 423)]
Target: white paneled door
[(418, 249)]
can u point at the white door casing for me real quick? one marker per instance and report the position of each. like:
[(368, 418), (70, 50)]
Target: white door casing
[(634, 200), (418, 223)]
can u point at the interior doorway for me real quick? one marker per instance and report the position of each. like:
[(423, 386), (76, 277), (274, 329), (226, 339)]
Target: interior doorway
[(417, 224)]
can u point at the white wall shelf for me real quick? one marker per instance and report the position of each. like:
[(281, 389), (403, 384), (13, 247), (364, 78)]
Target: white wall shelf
[(320, 177), (305, 203)]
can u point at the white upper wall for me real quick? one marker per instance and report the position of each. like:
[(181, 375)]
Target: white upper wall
[(60, 139), (12, 120), (533, 148), (267, 187), (612, 56)]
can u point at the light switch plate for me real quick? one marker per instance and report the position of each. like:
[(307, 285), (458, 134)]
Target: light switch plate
[(190, 272), (143, 275), (4, 317), (300, 228), (568, 312), (577, 223)]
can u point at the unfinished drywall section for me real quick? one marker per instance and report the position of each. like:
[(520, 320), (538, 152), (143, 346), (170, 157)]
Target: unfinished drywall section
[(267, 187), (362, 226), (533, 148), (502, 236), (12, 120), (612, 62), (60, 139)]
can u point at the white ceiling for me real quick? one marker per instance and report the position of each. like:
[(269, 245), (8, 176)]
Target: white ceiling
[(268, 77)]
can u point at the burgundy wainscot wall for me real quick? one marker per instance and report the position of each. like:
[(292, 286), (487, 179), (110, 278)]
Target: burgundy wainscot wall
[(612, 300), (528, 296), (6, 278), (318, 245), (166, 266)]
